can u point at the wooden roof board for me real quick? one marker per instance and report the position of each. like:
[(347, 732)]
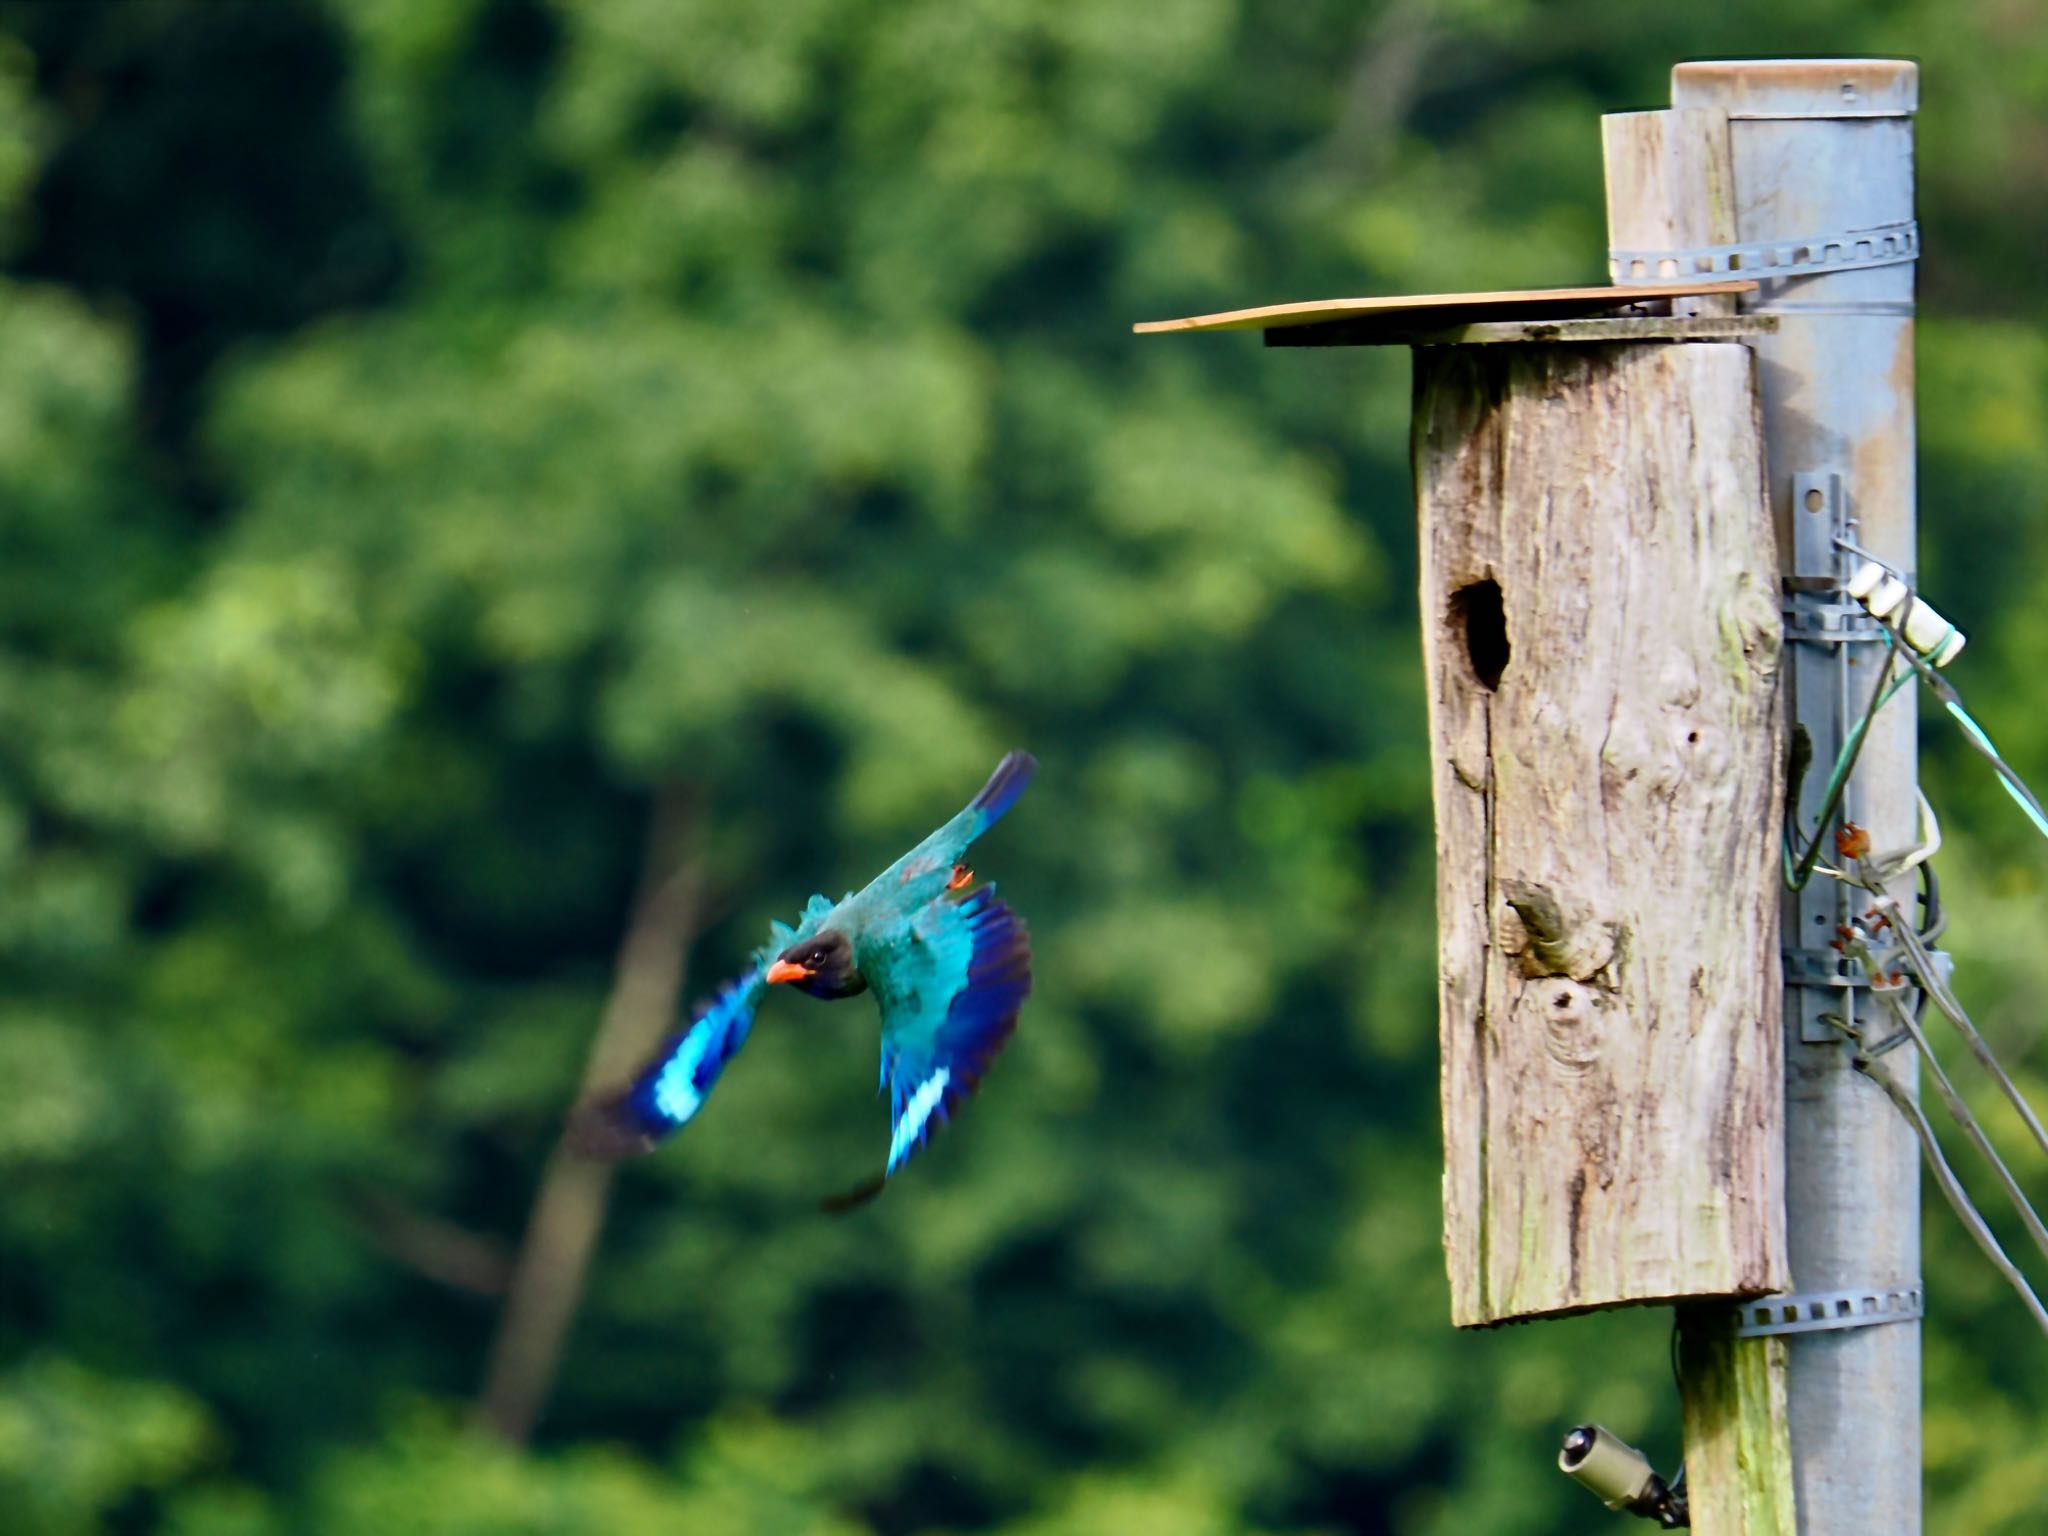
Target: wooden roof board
[(1418, 311)]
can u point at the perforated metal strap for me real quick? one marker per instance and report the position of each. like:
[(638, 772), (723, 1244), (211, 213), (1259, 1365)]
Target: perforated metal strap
[(1887, 245), (1818, 1311)]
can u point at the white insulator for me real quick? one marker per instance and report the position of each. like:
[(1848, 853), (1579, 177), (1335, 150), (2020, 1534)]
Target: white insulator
[(1884, 602), (1922, 627), (1865, 581), (1932, 635)]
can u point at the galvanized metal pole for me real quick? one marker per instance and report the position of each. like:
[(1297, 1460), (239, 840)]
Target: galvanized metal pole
[(1821, 151)]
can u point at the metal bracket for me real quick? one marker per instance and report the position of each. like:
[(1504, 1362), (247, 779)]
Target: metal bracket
[(1822, 968), (1885, 245), (1820, 512), (1820, 1311), (1828, 627), (1821, 623), (1819, 981), (1829, 969)]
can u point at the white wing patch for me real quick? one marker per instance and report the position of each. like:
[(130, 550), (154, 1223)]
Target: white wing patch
[(915, 1115), (675, 1091)]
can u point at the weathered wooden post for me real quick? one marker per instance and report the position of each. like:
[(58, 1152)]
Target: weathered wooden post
[(1616, 489)]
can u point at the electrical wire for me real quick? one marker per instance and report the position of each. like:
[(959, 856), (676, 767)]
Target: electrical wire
[(1916, 942), (1937, 989), (1951, 701), (1918, 855), (1933, 923), (1799, 872), (1971, 1128), (1975, 734), (1952, 1189), (1934, 917), (1931, 985)]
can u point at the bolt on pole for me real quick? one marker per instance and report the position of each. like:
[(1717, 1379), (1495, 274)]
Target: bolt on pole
[(1822, 150)]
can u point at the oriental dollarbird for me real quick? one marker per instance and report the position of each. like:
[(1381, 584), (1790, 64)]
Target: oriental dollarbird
[(948, 963)]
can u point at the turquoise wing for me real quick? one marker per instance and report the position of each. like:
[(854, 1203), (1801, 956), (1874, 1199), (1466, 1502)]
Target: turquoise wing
[(921, 875), (947, 1008)]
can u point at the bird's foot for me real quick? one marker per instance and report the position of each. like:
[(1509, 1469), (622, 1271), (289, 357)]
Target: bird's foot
[(854, 1198)]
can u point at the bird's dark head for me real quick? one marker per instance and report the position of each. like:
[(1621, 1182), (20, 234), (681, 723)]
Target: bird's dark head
[(822, 966)]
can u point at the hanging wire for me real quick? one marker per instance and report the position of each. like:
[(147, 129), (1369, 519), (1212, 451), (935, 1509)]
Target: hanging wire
[(1842, 541), (1975, 734), (1944, 999), (1932, 985), (1934, 916), (1916, 943), (1798, 872), (1972, 1129), (1952, 1189), (1933, 923), (1917, 856), (1944, 1175), (1951, 700)]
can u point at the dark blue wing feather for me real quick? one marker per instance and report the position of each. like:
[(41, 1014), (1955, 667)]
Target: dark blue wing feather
[(1011, 778), (935, 1052)]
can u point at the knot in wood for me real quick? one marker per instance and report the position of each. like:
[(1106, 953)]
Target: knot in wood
[(1752, 630), (1549, 936), (1571, 1023)]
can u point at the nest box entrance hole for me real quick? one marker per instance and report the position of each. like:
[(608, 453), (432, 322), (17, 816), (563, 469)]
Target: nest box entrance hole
[(1479, 620)]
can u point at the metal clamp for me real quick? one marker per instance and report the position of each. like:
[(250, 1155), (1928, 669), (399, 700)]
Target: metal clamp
[(1885, 245), (1822, 968), (1823, 623), (1831, 968), (1820, 1311)]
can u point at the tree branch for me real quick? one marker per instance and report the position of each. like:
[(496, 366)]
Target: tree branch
[(569, 1208), (442, 1250)]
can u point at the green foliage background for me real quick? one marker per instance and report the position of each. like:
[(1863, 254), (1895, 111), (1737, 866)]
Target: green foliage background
[(430, 428)]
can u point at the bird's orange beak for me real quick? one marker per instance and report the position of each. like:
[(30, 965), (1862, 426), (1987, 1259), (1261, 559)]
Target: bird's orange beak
[(787, 970)]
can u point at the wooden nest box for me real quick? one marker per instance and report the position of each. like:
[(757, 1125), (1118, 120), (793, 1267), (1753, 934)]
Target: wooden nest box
[(1601, 627), (1602, 635)]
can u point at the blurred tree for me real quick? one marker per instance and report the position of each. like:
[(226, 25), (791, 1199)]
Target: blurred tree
[(205, 175), (429, 427)]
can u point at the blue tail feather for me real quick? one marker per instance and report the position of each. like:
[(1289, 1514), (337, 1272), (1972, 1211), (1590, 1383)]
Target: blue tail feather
[(1011, 778)]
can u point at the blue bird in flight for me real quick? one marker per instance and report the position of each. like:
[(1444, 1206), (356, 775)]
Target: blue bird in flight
[(949, 964)]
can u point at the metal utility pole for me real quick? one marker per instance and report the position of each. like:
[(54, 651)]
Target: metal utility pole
[(1822, 160)]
